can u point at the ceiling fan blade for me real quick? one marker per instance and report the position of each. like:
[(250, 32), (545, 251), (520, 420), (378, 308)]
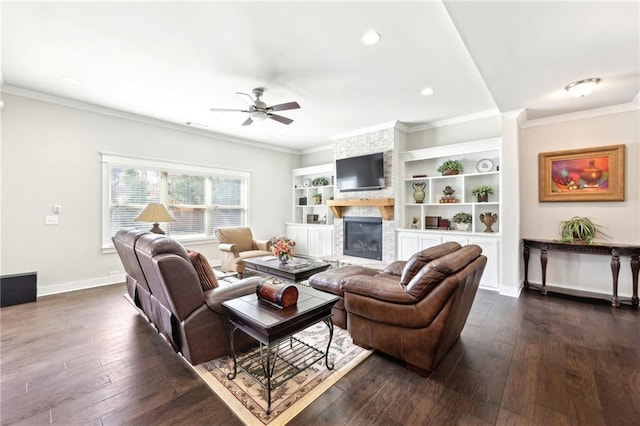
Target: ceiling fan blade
[(228, 109), (248, 121), (283, 107), (279, 118), (250, 101)]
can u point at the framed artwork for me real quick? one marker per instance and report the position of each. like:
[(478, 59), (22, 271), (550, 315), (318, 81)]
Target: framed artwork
[(589, 174)]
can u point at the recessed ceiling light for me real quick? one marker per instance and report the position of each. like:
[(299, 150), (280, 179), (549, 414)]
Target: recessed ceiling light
[(371, 37), (582, 88), (70, 79), (427, 91)]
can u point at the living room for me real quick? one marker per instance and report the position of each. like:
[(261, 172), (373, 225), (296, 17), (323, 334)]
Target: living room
[(52, 148)]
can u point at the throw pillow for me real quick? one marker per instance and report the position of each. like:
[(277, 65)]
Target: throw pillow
[(206, 276)]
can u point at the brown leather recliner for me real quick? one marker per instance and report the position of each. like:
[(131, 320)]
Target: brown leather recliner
[(236, 243), (194, 322), (418, 318), (331, 281)]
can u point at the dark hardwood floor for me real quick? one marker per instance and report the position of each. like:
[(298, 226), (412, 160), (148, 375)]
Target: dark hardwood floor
[(88, 358)]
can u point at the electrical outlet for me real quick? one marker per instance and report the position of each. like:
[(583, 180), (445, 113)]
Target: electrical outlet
[(51, 220)]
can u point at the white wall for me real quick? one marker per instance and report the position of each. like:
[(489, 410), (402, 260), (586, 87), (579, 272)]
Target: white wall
[(50, 155), (621, 219)]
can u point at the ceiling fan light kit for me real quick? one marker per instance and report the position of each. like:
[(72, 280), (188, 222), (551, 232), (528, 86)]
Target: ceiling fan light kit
[(259, 111), (582, 88)]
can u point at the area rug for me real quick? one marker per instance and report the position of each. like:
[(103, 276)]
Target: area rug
[(248, 399)]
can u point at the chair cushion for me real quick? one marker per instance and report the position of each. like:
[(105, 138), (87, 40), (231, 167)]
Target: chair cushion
[(421, 258), (206, 276), (437, 270)]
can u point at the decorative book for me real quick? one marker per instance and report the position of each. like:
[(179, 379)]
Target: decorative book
[(431, 222)]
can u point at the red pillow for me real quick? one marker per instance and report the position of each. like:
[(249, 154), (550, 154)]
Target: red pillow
[(207, 278)]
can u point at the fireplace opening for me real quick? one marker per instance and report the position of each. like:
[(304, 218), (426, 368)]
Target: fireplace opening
[(363, 237)]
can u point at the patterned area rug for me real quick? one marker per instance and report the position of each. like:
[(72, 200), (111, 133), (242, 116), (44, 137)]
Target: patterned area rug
[(248, 399)]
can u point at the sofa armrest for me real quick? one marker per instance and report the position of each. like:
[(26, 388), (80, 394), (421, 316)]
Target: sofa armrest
[(215, 297), (263, 244), (377, 287), (232, 248), (395, 268)]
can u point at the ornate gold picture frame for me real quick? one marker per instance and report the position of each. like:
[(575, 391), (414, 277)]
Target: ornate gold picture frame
[(589, 174)]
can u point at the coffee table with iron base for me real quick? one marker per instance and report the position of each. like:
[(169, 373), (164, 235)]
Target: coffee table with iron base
[(274, 329), (296, 270)]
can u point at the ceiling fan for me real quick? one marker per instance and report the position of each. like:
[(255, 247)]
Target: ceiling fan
[(260, 111)]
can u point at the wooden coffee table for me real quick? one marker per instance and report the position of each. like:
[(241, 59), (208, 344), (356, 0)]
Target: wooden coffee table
[(274, 328), (296, 270)]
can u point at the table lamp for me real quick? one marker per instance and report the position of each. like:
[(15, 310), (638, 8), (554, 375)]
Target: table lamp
[(155, 212)]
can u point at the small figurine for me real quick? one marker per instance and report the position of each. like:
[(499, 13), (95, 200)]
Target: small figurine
[(414, 222)]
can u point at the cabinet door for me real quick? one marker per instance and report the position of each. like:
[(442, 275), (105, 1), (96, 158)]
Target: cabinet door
[(408, 244), (489, 249), (299, 235), (429, 240), (319, 242), (460, 239)]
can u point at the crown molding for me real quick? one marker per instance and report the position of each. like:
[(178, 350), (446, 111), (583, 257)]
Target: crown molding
[(58, 100), (455, 120), (581, 115), (384, 126)]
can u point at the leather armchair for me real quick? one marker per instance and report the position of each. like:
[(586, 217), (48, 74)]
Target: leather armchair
[(418, 317), (193, 321), (237, 244), (331, 281)]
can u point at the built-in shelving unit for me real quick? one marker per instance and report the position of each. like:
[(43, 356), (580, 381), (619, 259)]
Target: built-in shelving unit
[(419, 226), (312, 220)]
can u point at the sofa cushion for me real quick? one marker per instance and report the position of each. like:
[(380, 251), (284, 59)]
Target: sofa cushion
[(206, 276), (437, 270), (421, 258)]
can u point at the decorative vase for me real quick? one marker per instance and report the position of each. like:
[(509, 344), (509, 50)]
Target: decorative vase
[(449, 172), (483, 197), (591, 175), (284, 258), (418, 191), (462, 226), (488, 219)]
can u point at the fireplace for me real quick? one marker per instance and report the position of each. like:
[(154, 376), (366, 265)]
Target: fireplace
[(363, 237)]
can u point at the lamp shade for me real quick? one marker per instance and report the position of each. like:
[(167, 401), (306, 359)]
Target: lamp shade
[(155, 212)]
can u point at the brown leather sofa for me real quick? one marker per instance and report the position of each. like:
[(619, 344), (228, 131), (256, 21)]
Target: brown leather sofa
[(193, 321), (332, 280), (418, 314), (236, 243), (124, 241)]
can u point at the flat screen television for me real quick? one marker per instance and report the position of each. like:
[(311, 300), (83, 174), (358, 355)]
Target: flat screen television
[(362, 173)]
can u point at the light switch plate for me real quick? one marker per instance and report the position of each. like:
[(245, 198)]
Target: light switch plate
[(51, 220)]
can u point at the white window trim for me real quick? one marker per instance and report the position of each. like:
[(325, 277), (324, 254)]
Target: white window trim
[(168, 166)]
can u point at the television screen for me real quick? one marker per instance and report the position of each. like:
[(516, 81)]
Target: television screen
[(362, 173)]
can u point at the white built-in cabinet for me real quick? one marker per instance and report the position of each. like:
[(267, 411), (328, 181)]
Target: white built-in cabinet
[(312, 220), (481, 161)]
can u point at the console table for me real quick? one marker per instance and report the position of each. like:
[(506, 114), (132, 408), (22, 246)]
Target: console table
[(613, 250)]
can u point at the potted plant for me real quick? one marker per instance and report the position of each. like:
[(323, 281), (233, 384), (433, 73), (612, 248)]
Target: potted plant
[(462, 221), (320, 181), (451, 167), (579, 230), (482, 192), (317, 197)]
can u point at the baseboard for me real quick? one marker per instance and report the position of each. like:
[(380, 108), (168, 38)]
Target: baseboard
[(47, 290), (511, 291)]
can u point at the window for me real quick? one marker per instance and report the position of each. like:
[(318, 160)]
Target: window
[(200, 198)]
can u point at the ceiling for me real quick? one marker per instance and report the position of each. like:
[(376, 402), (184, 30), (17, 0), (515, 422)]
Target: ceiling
[(173, 61)]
